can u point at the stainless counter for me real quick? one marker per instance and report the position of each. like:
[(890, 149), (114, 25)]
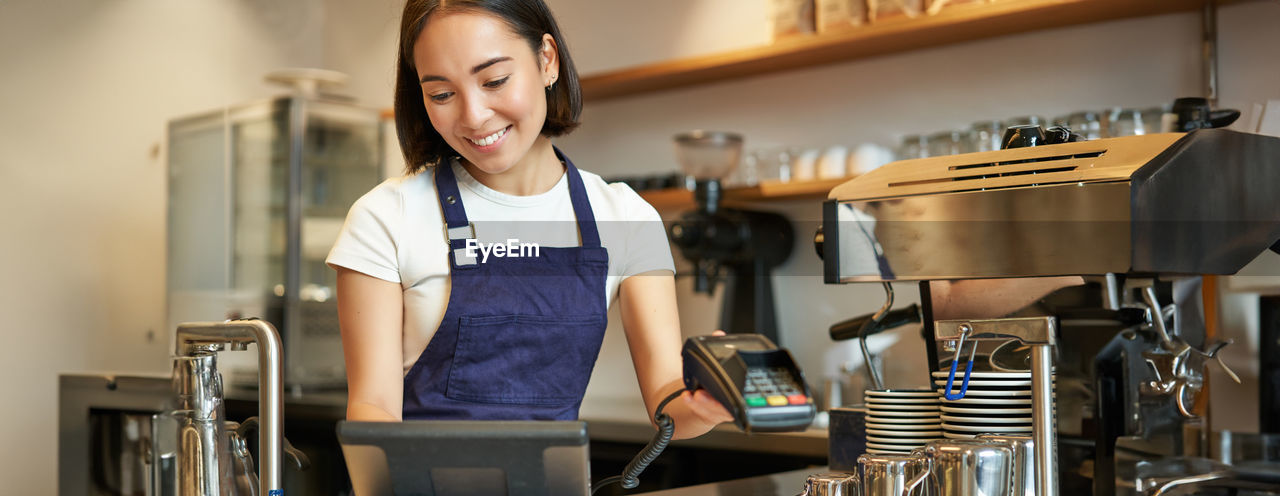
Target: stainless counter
[(779, 484)]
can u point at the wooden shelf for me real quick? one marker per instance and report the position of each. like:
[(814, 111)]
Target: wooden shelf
[(669, 199), (779, 191), (682, 199), (954, 24)]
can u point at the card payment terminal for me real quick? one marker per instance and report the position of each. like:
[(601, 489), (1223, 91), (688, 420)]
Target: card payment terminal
[(755, 380)]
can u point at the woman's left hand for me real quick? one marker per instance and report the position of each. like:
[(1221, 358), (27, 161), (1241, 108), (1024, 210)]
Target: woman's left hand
[(705, 406)]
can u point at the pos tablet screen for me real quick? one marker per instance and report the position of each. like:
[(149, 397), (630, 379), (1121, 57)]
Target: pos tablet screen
[(462, 458)]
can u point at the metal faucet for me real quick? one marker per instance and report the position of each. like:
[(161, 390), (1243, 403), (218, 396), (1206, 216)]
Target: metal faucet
[(200, 393)]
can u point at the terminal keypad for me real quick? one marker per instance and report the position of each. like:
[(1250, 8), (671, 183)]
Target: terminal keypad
[(772, 386)]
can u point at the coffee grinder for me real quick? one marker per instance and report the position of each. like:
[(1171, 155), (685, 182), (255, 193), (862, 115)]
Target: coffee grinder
[(739, 246)]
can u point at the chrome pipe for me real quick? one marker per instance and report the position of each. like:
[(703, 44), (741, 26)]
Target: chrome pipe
[(1042, 426), (200, 465), (1110, 292), (1157, 317), (197, 338), (293, 229), (872, 373), (1209, 49), (198, 386)]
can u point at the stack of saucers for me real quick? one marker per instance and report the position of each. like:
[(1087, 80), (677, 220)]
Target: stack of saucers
[(996, 402), (899, 420)]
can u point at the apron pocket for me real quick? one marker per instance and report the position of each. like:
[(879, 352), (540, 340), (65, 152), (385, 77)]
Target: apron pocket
[(524, 359)]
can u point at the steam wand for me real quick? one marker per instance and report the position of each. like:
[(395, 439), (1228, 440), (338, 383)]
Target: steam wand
[(872, 373)]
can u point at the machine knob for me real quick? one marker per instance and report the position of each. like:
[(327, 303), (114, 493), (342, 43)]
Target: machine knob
[(1034, 135), (1022, 137), (818, 239), (1194, 113)]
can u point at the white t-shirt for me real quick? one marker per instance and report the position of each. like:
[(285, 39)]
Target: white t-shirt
[(396, 232)]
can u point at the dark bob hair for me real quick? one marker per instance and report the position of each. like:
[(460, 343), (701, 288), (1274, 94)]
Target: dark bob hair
[(529, 19)]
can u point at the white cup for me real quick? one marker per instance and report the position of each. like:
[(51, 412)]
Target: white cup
[(803, 166), (831, 164), (868, 157)]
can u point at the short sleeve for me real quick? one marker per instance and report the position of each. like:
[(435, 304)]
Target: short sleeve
[(647, 247), (368, 240)]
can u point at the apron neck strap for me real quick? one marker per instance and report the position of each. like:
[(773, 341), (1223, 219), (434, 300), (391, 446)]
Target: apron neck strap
[(581, 206), (455, 215)]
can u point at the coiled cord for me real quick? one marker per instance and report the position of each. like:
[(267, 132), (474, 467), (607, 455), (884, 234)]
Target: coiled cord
[(630, 477)]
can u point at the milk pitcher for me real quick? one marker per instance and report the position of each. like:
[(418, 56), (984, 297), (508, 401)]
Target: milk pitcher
[(970, 467), (893, 475)]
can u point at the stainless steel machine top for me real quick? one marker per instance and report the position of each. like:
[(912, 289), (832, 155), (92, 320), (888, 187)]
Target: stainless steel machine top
[(1195, 203)]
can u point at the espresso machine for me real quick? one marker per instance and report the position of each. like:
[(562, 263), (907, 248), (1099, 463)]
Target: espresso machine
[(1117, 360)]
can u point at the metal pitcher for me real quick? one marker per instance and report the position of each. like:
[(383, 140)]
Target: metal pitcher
[(893, 475), (831, 484), (970, 467)]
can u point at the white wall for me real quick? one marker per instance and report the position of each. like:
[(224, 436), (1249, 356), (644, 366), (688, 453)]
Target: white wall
[(86, 89)]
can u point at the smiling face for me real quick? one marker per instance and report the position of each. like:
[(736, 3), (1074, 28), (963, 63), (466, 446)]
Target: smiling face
[(484, 87)]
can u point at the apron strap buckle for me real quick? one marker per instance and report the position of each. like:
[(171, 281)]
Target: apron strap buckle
[(467, 231)]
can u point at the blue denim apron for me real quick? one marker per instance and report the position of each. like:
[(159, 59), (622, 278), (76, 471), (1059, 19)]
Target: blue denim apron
[(520, 335)]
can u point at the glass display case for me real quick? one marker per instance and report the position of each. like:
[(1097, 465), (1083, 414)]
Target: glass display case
[(257, 196)]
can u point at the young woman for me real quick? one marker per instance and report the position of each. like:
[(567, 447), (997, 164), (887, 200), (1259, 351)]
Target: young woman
[(434, 326)]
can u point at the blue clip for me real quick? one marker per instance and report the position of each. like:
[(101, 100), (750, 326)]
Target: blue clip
[(968, 370)]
